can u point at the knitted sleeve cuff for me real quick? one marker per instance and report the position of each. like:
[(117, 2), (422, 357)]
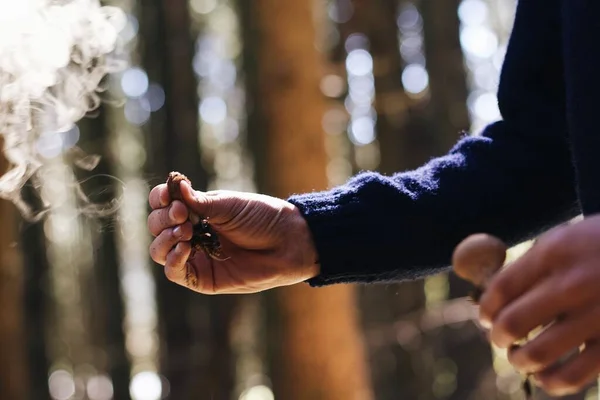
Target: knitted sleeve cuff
[(340, 221)]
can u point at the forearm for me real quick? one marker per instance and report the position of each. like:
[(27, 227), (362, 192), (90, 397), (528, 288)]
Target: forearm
[(513, 181), (581, 30), (379, 228)]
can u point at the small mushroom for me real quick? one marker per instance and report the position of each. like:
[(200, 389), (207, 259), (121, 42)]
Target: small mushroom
[(204, 238), (477, 259)]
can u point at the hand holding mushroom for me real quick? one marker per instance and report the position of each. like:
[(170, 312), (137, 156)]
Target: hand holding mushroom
[(555, 285), (228, 242)]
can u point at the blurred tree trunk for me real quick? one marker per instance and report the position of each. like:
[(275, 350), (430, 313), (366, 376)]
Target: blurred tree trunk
[(107, 304), (445, 63), (196, 353), (409, 133), (405, 142), (449, 93), (13, 365), (447, 81), (317, 349)]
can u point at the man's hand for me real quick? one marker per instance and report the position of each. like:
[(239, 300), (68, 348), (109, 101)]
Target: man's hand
[(555, 285), (266, 241)]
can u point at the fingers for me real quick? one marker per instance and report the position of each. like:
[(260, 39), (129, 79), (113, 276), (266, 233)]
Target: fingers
[(543, 259), (574, 375), (195, 273), (176, 268), (556, 341), (159, 197), (166, 240), (163, 218), (217, 208), (508, 285), (541, 305), (236, 275)]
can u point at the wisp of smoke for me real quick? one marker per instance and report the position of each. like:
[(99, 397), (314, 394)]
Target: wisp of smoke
[(53, 57)]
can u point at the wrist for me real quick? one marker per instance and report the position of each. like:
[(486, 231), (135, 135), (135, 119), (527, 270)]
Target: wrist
[(307, 256)]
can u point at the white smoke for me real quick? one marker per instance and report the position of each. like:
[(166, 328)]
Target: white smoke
[(53, 57)]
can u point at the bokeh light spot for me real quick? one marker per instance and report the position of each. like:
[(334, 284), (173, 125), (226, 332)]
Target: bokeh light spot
[(473, 12), (332, 86), (485, 107), (362, 131), (203, 6), (137, 111), (134, 82), (341, 11), (61, 385), (131, 28), (155, 97), (479, 41), (213, 110), (415, 78), (70, 137), (356, 41), (359, 62), (100, 388), (49, 144), (409, 18), (259, 392), (146, 386)]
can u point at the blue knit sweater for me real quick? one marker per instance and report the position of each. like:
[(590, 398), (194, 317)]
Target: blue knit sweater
[(538, 167)]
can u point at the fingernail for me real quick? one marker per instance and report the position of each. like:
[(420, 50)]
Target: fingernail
[(165, 199), (177, 231), (485, 323), (178, 249)]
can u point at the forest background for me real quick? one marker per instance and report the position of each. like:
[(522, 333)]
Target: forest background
[(273, 96)]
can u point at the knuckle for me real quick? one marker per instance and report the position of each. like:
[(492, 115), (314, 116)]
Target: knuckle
[(154, 254), (163, 216), (171, 274), (534, 358), (493, 298), (153, 224), (574, 280), (556, 245), (509, 328), (207, 203), (500, 292)]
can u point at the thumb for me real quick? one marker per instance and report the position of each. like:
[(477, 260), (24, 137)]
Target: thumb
[(212, 207)]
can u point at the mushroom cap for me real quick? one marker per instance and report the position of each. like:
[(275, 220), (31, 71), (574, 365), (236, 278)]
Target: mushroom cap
[(174, 185), (478, 257)]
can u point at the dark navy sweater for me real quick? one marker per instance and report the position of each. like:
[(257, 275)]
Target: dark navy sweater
[(536, 168)]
